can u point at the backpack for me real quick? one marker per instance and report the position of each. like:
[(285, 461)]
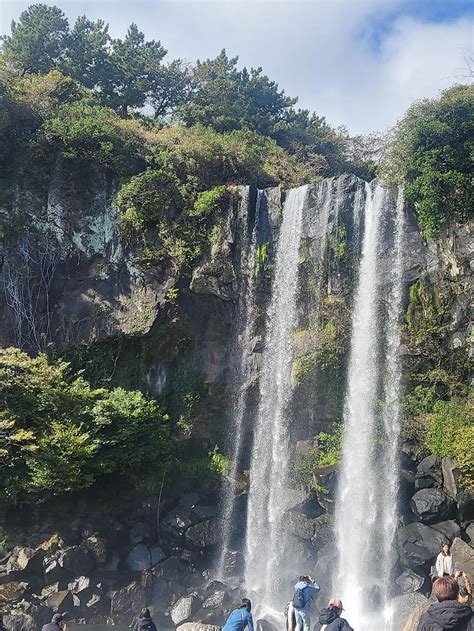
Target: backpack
[(298, 599)]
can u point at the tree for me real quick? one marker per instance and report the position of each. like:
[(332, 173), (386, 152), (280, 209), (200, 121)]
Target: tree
[(133, 71), (37, 40), (171, 88), (87, 54)]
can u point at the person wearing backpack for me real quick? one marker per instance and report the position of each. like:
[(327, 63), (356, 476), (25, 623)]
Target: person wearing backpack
[(240, 617), (144, 622), (330, 618), (305, 589)]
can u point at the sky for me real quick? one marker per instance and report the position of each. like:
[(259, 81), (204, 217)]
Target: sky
[(359, 63)]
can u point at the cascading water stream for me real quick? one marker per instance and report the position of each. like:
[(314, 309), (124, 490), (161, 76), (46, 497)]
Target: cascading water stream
[(366, 506), (246, 329), (267, 500)]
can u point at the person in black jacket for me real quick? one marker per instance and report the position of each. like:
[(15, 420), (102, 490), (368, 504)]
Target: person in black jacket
[(447, 614), (144, 622), (55, 624), (331, 619)]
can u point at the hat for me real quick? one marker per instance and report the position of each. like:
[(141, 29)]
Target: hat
[(57, 618), (336, 603)]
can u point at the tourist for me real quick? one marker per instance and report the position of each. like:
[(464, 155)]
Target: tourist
[(240, 617), (56, 624), (447, 614), (445, 562), (305, 589), (331, 619), (465, 588), (144, 621)]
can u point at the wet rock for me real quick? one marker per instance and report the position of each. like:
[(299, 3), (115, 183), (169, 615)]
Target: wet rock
[(156, 554), (138, 532), (465, 513), (185, 608), (128, 600), (418, 545), (299, 525), (310, 507), (12, 592), (409, 582), (189, 500), (450, 528), (463, 555), (176, 522), (212, 616), (170, 569), (432, 505), (217, 599), (204, 534), (77, 560), (429, 473), (323, 531), (139, 558), (265, 625)]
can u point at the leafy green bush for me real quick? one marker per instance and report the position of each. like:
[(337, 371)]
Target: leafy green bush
[(58, 435), (432, 153), (326, 453)]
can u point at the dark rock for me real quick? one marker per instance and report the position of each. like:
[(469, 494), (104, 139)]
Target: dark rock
[(450, 528), (323, 531), (205, 512), (419, 545), (61, 601), (463, 555), (428, 473), (465, 501), (12, 592), (204, 534), (138, 532), (409, 582), (77, 560), (310, 507), (97, 547), (170, 569), (139, 558), (54, 572), (216, 586), (162, 594), (265, 625), (299, 525), (176, 522), (212, 616), (128, 600), (234, 563), (26, 561), (156, 554), (185, 608), (432, 505), (189, 500)]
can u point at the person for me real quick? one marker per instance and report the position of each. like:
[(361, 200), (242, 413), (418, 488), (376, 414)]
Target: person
[(290, 617), (305, 589), (56, 623), (465, 588), (445, 562), (447, 614), (144, 621), (330, 618), (240, 617)]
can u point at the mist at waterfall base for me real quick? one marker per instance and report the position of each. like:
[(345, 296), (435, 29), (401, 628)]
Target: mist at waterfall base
[(366, 506)]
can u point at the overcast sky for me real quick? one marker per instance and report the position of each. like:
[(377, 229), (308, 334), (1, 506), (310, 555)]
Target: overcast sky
[(359, 63)]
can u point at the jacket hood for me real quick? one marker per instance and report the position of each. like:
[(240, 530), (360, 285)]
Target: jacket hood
[(301, 585), (449, 614), (327, 615)]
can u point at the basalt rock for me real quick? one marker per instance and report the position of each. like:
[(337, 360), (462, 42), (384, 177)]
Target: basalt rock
[(409, 582), (463, 555), (429, 473), (204, 534), (184, 609), (139, 558), (432, 505), (128, 600), (419, 545), (450, 528), (12, 592)]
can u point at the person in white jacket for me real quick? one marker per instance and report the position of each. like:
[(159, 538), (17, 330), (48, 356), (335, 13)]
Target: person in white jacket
[(445, 562)]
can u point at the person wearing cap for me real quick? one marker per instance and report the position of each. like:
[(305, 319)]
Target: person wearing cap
[(54, 625), (331, 619)]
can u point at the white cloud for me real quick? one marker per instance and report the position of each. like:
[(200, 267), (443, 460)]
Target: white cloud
[(321, 51)]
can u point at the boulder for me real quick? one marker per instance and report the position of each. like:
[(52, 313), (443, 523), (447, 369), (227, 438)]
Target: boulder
[(52, 544), (217, 599), (189, 500), (470, 534), (138, 532), (176, 522), (61, 601), (299, 525), (449, 481), (18, 620), (97, 547), (429, 473), (198, 626), (463, 555), (156, 554), (409, 582), (128, 600), (79, 584), (77, 560), (234, 563), (204, 534), (432, 505), (12, 592), (450, 528), (50, 589), (410, 615), (323, 531), (170, 569), (185, 608), (310, 507), (53, 572), (418, 545), (139, 558), (465, 501), (29, 561)]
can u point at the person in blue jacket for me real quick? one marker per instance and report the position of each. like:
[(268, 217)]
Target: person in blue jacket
[(240, 618), (305, 589)]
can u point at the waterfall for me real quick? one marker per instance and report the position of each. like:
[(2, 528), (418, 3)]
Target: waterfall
[(267, 500), (246, 321), (366, 503)]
